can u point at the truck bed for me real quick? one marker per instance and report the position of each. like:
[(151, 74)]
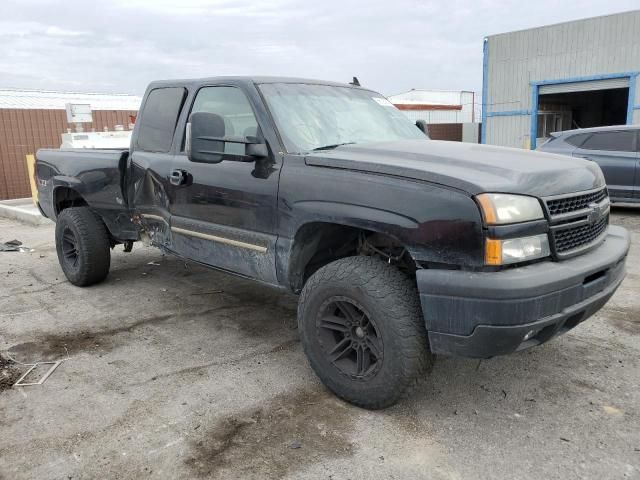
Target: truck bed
[(97, 175)]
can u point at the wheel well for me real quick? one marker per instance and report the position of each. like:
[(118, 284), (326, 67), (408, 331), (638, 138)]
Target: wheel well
[(65, 197), (317, 244)]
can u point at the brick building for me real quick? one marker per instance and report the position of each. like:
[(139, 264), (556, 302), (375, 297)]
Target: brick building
[(33, 119)]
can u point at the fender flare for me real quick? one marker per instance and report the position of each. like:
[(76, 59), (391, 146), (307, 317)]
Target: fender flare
[(355, 216), (113, 221)]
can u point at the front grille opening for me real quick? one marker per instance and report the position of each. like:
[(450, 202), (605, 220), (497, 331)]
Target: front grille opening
[(578, 202), (571, 238), (545, 334), (575, 226), (594, 276)]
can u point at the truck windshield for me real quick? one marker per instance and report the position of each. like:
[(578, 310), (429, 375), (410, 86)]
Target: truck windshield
[(321, 117)]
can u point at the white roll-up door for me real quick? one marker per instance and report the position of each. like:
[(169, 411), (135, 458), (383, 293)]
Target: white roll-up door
[(584, 86)]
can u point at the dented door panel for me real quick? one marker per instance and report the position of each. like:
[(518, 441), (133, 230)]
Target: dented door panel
[(148, 194)]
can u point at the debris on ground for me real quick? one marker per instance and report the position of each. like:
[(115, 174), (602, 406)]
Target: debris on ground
[(10, 246), (612, 410), (9, 373), (35, 368), (14, 246)]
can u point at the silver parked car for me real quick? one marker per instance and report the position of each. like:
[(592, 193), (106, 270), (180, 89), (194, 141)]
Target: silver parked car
[(616, 149)]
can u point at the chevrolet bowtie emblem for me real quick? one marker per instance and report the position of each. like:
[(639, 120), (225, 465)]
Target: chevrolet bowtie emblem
[(595, 214)]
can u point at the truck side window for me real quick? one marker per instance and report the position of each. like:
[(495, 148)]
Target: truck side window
[(232, 105), (159, 119)]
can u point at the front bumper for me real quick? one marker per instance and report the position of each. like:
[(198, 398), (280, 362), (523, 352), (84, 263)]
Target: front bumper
[(484, 314)]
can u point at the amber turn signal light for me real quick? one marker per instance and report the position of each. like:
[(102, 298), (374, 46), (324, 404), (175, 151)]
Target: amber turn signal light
[(492, 252), (488, 211)]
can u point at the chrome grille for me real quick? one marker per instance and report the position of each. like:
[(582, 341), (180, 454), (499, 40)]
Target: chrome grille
[(571, 204), (577, 222)]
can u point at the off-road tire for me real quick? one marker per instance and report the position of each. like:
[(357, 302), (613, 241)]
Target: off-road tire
[(392, 301), (92, 259)]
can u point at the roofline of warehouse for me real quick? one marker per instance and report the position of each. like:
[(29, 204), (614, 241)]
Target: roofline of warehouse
[(36, 99), (65, 92), (426, 106), (562, 23), (429, 90)]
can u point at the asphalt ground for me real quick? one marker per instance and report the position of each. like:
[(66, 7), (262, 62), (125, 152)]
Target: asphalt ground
[(174, 371)]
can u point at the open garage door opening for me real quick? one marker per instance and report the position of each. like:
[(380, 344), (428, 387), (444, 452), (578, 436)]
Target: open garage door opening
[(569, 106)]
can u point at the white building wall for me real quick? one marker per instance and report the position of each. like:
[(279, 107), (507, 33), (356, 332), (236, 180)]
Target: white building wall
[(469, 109), (592, 47), (437, 116), (509, 132), (436, 97)]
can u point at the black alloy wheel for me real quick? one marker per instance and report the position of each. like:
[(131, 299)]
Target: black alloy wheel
[(70, 248), (349, 337)]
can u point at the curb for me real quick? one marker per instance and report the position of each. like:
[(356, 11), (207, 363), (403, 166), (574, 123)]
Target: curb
[(22, 210)]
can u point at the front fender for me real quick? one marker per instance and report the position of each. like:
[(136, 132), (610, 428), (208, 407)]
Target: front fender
[(353, 215), (435, 223)]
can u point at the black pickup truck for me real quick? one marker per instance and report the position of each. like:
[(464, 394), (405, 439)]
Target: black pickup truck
[(400, 247)]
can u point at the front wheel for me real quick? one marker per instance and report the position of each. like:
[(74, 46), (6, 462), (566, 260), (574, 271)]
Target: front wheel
[(363, 331), (83, 246)]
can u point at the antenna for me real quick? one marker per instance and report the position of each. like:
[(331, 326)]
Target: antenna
[(355, 82)]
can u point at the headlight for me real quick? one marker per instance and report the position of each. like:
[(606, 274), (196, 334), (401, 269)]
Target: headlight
[(515, 250), (500, 208)]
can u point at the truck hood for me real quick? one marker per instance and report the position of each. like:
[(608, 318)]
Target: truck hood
[(469, 167)]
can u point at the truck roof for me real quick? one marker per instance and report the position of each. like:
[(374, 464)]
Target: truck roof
[(246, 79)]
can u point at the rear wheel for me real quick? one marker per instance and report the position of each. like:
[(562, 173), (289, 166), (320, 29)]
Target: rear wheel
[(363, 331), (83, 246)]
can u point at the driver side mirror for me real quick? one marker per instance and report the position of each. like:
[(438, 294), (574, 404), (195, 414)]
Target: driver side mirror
[(206, 139), (255, 149)]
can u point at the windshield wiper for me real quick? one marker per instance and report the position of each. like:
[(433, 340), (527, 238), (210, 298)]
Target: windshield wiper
[(331, 147)]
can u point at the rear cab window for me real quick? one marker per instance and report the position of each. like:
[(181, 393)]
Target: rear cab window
[(614, 141), (159, 119)]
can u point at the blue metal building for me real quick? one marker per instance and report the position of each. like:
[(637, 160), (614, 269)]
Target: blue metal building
[(578, 74)]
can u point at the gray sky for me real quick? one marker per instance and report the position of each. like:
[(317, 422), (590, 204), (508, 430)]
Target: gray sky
[(392, 45)]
